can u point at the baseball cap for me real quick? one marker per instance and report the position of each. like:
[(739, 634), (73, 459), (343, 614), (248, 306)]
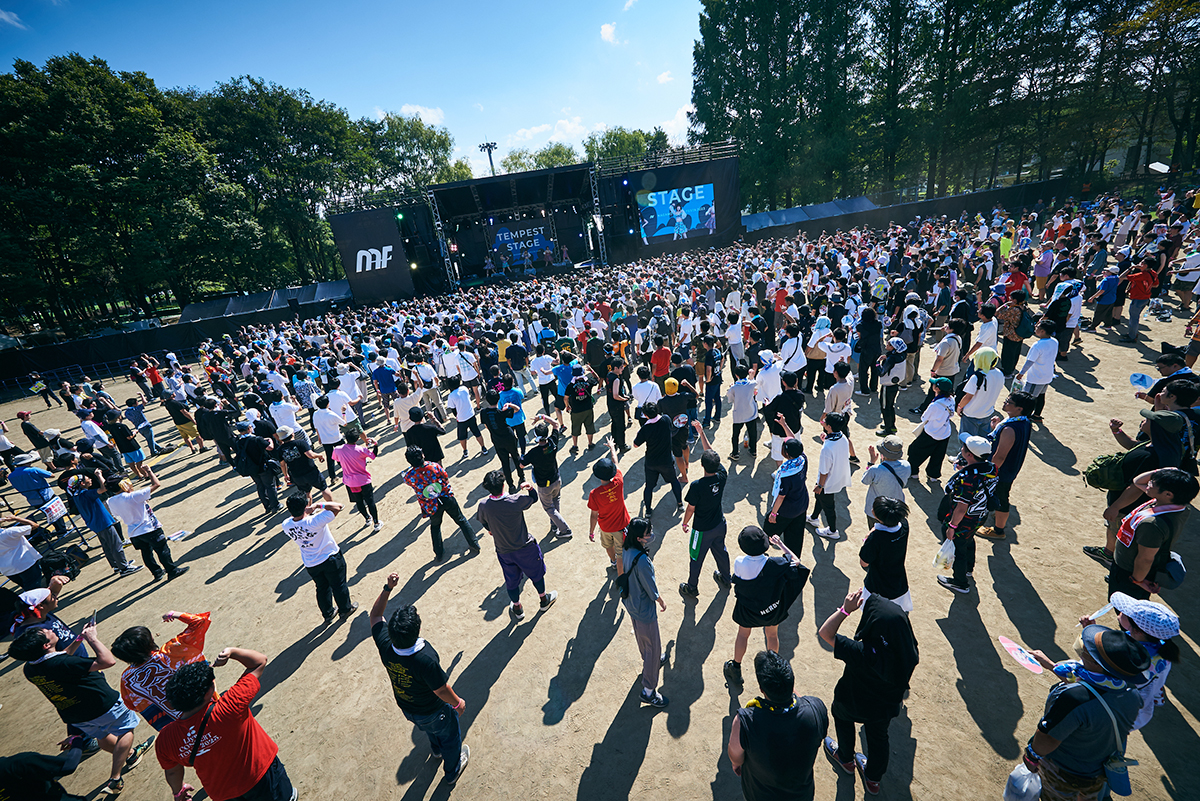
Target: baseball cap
[(1153, 618), (975, 444), (242, 425), (1118, 654)]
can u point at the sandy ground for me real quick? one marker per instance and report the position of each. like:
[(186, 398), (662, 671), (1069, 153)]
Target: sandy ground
[(552, 708)]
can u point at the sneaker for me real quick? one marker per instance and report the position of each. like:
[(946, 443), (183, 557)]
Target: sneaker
[(517, 611), (156, 576), (353, 608), (949, 584), (733, 676), (546, 601), (828, 534), (813, 521), (724, 582), (377, 527), (860, 392), (860, 762), (679, 509), (566, 535), (991, 533), (854, 458), (574, 450), (329, 617), (1101, 555), (733, 457), (90, 746), (128, 570), (688, 591), (462, 765), (113, 787), (177, 572), (135, 756), (654, 699), (830, 747)]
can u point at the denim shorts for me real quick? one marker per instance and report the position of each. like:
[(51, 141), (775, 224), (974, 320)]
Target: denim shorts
[(117, 720)]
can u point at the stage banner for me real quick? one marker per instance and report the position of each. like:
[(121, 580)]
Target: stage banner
[(518, 236), (372, 255), (688, 202)]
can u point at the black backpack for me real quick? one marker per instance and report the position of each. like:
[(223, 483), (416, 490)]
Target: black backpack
[(623, 579), (241, 459)]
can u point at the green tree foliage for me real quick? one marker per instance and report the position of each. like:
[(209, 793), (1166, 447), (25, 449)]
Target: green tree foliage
[(617, 142), (114, 193), (834, 98)]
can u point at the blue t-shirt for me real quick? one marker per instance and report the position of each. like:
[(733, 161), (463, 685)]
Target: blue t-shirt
[(1108, 290), (513, 396), (563, 373), (93, 510), (385, 377)]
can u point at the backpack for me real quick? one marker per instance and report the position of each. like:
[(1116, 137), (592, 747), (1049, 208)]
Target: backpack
[(1026, 327), (241, 459), (64, 563), (623, 579), (1106, 472)]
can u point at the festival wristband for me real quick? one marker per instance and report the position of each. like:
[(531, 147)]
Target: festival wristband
[(842, 609)]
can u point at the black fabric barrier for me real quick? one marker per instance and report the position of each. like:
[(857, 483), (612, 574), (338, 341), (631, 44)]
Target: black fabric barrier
[(373, 254)]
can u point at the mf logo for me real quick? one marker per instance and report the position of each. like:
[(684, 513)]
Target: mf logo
[(372, 259)]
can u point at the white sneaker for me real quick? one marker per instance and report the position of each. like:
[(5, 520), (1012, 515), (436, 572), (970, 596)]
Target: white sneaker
[(828, 534), (377, 527), (813, 521)]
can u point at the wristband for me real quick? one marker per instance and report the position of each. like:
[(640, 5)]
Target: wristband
[(387, 588), (842, 609)]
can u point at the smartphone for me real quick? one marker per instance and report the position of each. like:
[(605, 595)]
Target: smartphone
[(92, 622)]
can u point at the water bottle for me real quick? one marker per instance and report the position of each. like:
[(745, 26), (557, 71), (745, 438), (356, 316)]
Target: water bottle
[(178, 535)]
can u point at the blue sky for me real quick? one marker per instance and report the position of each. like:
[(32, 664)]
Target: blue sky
[(519, 73)]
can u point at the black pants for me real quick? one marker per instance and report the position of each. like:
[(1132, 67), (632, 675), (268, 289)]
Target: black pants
[(712, 540), (1039, 404), (329, 459), (151, 544), (226, 450), (447, 505), (751, 434), (811, 371), (509, 458), (548, 391), (964, 556), (31, 578), (616, 415), (330, 578), (875, 738), (1121, 580), (887, 405), (47, 394), (791, 529), (273, 786), (364, 498), (827, 502), (264, 482), (926, 447), (868, 372), (1010, 354), (667, 472)]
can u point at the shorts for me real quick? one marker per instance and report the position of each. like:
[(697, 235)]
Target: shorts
[(471, 382), (1193, 348), (583, 420), (1000, 502), (116, 721), (613, 539), (467, 428), (560, 402), (187, 430), (134, 457), (678, 449), (1179, 285), (308, 482), (777, 447), (388, 397)]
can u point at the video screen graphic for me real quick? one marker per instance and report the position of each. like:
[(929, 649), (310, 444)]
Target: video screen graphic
[(684, 212)]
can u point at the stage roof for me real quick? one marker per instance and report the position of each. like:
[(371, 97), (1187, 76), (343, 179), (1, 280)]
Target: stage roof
[(480, 197)]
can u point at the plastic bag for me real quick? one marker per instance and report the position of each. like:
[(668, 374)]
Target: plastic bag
[(945, 555), (1022, 785)]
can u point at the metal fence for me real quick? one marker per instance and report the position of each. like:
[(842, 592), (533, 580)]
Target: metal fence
[(12, 389)]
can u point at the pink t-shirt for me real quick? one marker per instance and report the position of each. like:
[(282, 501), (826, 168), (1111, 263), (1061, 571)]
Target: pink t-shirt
[(353, 459)]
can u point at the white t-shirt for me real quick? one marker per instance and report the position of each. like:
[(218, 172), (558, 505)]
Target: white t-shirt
[(133, 508), (348, 384), (645, 392), (329, 426), (460, 402), (540, 363), (466, 365), (339, 403), (834, 462), (937, 418), (834, 352), (311, 533), (284, 414), (987, 336), (983, 402), (16, 554), (400, 407)]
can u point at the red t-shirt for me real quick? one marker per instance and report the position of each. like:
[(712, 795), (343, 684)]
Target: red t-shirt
[(660, 361), (1141, 284), (781, 297), (234, 753), (609, 501)]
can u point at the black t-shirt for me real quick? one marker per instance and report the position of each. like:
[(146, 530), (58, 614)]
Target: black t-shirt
[(579, 394), (496, 422), (884, 552), (516, 355), (713, 359), (705, 494), (415, 677), (298, 463), (30, 776), (177, 411), (780, 749), (674, 407), (687, 373), (543, 457), (123, 437), (425, 436), (255, 448), (613, 384), (68, 682), (657, 437), (860, 693)]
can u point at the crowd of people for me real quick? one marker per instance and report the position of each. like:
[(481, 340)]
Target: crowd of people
[(670, 346)]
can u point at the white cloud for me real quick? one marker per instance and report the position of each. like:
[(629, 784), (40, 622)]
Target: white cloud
[(677, 126), (571, 129), (380, 113), (608, 32), (9, 18), (479, 106), (665, 77), (525, 134), (629, 4), (429, 116)]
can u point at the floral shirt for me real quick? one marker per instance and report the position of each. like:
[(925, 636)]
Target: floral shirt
[(430, 482)]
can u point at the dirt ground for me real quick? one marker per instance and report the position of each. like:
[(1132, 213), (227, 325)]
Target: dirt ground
[(552, 709)]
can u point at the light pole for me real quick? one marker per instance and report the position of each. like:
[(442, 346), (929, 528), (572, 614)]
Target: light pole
[(488, 147)]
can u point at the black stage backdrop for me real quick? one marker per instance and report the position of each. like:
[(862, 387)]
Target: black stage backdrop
[(373, 255)]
